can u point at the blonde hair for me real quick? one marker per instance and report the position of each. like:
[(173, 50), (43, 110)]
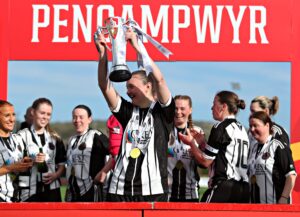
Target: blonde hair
[(267, 103)]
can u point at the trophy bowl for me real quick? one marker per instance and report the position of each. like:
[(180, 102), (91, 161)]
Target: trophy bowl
[(119, 73)]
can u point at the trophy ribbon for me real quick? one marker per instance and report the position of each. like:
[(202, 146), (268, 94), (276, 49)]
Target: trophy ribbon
[(137, 28), (143, 58)]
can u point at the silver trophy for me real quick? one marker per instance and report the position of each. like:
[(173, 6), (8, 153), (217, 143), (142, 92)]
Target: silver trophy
[(114, 26)]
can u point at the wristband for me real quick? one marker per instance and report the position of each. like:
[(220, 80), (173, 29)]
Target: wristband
[(284, 197)]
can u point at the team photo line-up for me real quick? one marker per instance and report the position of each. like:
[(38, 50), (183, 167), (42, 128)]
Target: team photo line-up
[(153, 151)]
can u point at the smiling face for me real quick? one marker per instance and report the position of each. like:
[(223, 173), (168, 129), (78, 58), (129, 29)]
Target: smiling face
[(259, 130), (41, 116), (7, 120), (139, 91), (182, 112), (80, 120)]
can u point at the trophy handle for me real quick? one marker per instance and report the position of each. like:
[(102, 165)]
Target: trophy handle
[(105, 32)]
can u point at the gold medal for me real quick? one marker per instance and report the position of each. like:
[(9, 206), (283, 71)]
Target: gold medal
[(253, 179), (135, 153), (12, 176), (179, 165)]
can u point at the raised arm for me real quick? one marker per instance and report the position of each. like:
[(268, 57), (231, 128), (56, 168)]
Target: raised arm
[(163, 92), (109, 92)]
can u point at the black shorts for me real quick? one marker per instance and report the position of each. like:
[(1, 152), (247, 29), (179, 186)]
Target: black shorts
[(46, 196), (228, 191)]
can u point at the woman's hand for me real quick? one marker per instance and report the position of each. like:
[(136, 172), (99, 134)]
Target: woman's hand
[(40, 158), (48, 178), (19, 167), (100, 177), (131, 36), (187, 139), (200, 138), (100, 43), (283, 200)]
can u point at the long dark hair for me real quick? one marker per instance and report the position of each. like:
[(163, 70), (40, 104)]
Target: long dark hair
[(231, 100)]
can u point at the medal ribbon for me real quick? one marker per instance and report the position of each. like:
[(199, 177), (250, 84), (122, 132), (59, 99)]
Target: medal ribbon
[(141, 129), (178, 144)]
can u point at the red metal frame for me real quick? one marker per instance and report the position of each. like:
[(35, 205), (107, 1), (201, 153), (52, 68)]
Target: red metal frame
[(284, 29)]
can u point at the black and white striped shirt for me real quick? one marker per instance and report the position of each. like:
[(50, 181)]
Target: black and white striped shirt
[(280, 134), (270, 164), (147, 174), (85, 158), (183, 176), (55, 155), (228, 146), (11, 149)]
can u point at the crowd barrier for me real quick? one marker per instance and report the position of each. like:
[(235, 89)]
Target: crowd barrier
[(146, 210)]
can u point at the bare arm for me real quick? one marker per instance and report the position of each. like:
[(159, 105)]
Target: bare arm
[(288, 187), (50, 177), (101, 175), (163, 92), (109, 92), (193, 139), (15, 167)]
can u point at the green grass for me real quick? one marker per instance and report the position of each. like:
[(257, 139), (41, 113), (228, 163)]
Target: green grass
[(63, 189), (201, 192)]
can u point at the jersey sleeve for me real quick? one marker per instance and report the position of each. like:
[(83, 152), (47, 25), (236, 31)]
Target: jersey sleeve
[(99, 151), (217, 138), (169, 110), (60, 157), (283, 156), (283, 137), (124, 112)]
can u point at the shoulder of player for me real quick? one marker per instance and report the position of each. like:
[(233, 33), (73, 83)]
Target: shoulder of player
[(277, 143), (224, 123), (17, 137), (95, 132), (23, 131)]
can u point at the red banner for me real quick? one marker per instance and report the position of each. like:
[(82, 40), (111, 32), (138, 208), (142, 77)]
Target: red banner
[(206, 30), (63, 30)]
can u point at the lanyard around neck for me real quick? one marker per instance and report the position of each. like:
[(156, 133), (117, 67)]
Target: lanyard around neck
[(9, 143), (142, 126)]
